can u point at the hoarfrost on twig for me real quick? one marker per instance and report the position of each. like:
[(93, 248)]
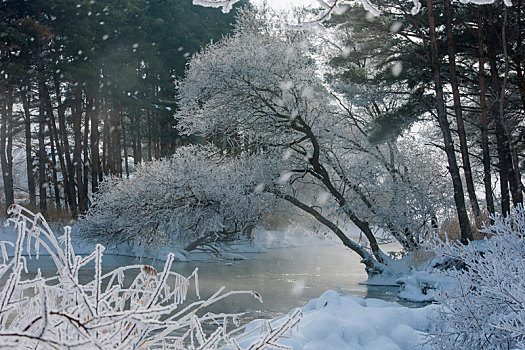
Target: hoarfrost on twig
[(61, 311)]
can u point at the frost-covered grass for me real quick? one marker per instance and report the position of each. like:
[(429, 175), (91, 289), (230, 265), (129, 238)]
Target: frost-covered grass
[(109, 311)]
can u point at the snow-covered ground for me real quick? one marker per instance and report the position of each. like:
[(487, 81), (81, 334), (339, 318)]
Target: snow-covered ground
[(339, 322)]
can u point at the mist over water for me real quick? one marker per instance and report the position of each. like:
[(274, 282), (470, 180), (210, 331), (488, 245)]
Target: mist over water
[(286, 278)]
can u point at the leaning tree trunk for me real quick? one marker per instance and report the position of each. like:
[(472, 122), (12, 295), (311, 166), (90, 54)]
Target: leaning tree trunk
[(467, 170), (322, 174), (372, 265), (459, 197)]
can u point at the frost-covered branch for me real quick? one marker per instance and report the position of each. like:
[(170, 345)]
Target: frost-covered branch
[(110, 311), (326, 8), (487, 309), (190, 200)]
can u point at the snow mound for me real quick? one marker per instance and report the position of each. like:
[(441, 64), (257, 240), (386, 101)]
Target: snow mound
[(334, 321), (424, 286)]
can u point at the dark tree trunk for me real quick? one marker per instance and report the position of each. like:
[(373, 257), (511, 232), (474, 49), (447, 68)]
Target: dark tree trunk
[(459, 197), (501, 139), (115, 157), (512, 158), (517, 55), (70, 173), (50, 123), (467, 170), (139, 141), (55, 139), (6, 143), (29, 156), (157, 150), (164, 128), (90, 110), (56, 189), (125, 146), (148, 114), (158, 127), (42, 181), (372, 266), (134, 148), (95, 139), (487, 181), (9, 181), (105, 146), (77, 151)]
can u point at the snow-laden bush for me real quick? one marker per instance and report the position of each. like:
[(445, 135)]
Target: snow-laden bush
[(112, 310), (189, 200), (487, 309)]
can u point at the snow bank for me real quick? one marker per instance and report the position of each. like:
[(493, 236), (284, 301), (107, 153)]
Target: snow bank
[(424, 286), (424, 281), (334, 321)]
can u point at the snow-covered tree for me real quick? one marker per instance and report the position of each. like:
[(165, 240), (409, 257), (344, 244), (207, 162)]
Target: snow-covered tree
[(189, 200), (487, 309), (265, 88), (436, 26), (261, 86)]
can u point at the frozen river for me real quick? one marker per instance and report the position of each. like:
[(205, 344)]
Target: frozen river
[(285, 277)]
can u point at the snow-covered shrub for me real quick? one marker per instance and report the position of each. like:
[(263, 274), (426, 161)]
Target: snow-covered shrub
[(487, 308), (189, 200), (112, 310)]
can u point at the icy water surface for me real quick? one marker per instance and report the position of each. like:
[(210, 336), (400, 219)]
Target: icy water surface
[(286, 278)]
